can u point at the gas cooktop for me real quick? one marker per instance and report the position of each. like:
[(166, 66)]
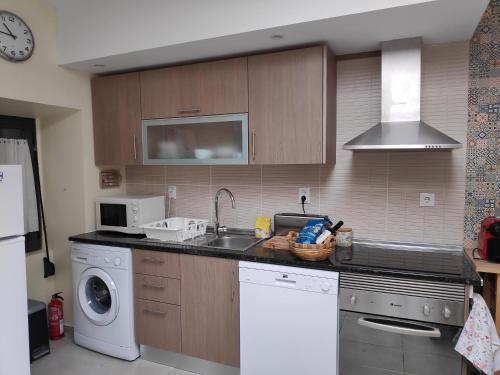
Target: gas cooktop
[(403, 256)]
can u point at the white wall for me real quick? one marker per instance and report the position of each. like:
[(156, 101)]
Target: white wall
[(375, 193), (60, 100)]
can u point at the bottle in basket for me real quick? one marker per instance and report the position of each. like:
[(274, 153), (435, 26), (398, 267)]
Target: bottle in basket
[(329, 230)]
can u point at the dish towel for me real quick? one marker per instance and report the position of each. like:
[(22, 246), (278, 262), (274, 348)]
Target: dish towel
[(479, 342)]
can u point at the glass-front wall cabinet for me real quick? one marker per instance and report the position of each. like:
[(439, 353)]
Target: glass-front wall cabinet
[(201, 140)]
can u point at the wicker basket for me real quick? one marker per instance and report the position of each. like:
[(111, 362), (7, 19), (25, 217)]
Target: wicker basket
[(311, 252)]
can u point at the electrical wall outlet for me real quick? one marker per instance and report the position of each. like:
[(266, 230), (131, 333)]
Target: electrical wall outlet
[(306, 191), (172, 192), (427, 199)]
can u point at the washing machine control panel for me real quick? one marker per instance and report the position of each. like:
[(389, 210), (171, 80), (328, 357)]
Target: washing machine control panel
[(111, 259), (102, 256), (115, 260)]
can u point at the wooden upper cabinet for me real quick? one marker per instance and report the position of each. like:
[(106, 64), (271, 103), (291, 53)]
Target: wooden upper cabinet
[(290, 98), (210, 309), (209, 88), (116, 110), (292, 107)]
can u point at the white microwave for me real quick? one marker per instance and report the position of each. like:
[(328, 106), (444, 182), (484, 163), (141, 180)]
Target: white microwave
[(126, 214)]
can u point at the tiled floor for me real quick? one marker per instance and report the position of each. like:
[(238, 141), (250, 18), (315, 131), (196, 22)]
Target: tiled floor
[(69, 359)]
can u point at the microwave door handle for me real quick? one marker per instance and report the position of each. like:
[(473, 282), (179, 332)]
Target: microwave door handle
[(393, 326)]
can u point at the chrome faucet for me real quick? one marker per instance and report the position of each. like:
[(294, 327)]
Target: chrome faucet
[(233, 203)]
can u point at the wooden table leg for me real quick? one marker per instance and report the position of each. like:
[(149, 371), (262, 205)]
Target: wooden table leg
[(497, 305)]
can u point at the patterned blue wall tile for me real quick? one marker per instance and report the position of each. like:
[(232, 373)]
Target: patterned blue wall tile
[(482, 196)]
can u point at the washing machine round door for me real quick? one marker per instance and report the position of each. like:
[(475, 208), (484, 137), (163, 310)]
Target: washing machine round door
[(97, 296)]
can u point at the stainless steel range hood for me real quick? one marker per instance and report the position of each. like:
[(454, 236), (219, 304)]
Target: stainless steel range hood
[(400, 127)]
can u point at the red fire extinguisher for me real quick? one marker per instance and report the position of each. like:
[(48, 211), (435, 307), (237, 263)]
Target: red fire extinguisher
[(56, 317)]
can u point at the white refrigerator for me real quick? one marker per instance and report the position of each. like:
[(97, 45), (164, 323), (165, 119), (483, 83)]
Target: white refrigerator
[(14, 337)]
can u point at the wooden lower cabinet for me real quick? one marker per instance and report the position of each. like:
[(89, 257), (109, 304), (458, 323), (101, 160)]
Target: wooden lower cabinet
[(210, 309), (158, 325), (206, 324)]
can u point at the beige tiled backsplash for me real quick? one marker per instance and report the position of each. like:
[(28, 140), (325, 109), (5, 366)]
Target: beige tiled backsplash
[(376, 193)]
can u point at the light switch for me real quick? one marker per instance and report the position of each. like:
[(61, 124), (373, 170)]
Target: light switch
[(427, 199)]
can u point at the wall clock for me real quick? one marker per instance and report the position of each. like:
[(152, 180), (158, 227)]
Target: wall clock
[(16, 39)]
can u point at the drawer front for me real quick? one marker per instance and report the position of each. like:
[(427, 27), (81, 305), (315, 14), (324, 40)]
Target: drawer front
[(158, 325), (157, 263), (160, 289)]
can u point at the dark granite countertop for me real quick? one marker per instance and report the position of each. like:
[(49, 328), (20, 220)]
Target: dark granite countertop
[(341, 260)]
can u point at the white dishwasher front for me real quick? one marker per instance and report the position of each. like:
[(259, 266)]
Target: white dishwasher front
[(288, 320)]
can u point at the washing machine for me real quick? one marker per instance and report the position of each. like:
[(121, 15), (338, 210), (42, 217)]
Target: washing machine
[(103, 298)]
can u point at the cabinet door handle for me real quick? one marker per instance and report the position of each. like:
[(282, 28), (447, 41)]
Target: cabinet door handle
[(135, 147), (190, 110), (148, 285), (154, 312), (253, 144), (153, 260)]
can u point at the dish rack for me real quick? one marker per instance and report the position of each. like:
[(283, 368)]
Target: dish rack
[(177, 229)]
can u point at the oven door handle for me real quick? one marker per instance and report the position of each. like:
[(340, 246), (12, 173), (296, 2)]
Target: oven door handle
[(401, 328)]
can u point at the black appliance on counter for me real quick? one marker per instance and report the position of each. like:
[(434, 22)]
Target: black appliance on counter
[(285, 222), (38, 329), (489, 239)]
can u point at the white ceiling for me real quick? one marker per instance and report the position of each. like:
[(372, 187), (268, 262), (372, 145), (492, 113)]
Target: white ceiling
[(129, 34)]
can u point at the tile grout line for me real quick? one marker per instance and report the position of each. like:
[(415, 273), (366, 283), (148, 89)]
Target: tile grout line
[(210, 190), (319, 189), (261, 191)]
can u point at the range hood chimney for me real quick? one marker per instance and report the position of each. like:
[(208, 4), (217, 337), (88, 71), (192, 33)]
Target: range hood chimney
[(400, 127)]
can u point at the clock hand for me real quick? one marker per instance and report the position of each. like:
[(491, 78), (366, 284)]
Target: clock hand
[(10, 32), (2, 32)]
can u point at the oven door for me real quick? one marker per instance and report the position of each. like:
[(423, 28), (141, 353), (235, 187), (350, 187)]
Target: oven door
[(378, 345)]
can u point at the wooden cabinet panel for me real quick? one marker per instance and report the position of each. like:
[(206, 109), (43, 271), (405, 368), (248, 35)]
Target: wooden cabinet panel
[(117, 119), (167, 92), (160, 289), (158, 325), (156, 263), (210, 309), (216, 87), (224, 86), (286, 106)]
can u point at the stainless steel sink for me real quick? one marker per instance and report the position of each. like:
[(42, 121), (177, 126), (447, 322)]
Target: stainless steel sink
[(233, 242)]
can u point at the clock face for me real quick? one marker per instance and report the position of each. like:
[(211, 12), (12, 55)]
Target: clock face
[(16, 39)]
